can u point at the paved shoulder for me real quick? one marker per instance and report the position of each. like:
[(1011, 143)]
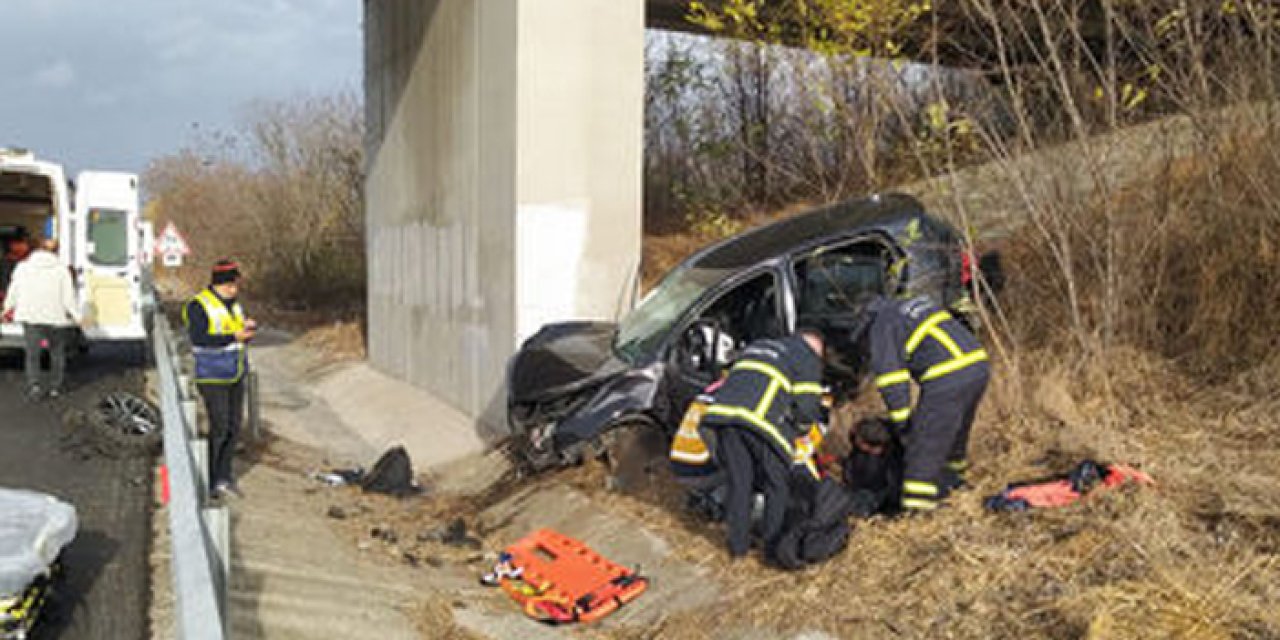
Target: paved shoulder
[(103, 594)]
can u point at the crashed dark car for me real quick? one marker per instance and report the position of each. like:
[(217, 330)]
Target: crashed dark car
[(574, 382)]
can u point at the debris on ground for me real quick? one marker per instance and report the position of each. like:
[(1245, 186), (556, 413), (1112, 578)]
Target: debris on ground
[(392, 474), (339, 477), (454, 534), (384, 533)]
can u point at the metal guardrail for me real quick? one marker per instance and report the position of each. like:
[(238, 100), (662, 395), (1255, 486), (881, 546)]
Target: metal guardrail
[(200, 534)]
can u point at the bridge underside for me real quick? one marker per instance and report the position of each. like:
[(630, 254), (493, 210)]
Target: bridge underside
[(954, 35)]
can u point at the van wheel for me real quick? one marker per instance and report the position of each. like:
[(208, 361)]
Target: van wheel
[(634, 450)]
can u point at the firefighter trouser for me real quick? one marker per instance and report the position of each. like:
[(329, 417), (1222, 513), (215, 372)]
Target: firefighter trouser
[(752, 464), (225, 406), (937, 440)]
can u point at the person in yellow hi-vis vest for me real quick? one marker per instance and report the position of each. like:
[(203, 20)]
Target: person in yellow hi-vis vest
[(220, 333)]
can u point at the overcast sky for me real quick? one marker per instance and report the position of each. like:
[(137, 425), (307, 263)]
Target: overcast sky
[(111, 84)]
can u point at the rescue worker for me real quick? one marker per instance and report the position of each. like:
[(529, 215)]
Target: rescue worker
[(695, 466), (915, 340), (771, 395), (220, 334)]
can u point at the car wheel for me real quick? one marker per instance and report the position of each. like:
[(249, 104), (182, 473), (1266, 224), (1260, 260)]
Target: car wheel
[(634, 450), (127, 420)]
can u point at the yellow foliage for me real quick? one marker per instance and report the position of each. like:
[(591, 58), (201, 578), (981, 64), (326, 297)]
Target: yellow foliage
[(861, 28)]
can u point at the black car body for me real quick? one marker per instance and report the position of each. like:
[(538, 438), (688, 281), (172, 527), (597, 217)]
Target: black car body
[(572, 382)]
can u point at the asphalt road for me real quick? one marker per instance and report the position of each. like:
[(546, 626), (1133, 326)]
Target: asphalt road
[(104, 591)]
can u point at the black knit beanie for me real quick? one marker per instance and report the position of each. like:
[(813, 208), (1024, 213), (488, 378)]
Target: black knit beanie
[(224, 271)]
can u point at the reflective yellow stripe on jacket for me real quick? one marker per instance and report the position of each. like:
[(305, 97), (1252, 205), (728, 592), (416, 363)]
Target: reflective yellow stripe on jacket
[(688, 446), (755, 420), (930, 329), (222, 322), (756, 416), (806, 450), (778, 378)]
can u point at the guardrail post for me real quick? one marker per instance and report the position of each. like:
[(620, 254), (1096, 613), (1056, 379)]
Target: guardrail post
[(200, 458), (218, 521), (189, 418), (255, 415)]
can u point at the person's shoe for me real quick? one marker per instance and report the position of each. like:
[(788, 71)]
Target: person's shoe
[(34, 393), (232, 489), (226, 491), (54, 394)]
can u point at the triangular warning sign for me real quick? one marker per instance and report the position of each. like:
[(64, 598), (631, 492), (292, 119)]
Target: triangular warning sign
[(172, 242)]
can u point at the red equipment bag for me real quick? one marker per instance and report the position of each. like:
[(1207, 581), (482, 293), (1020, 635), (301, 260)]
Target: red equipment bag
[(1060, 492)]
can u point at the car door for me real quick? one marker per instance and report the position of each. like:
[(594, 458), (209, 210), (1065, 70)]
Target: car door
[(744, 309), (106, 257), (831, 285)]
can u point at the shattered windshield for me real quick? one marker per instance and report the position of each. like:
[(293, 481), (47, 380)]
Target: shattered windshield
[(644, 328)]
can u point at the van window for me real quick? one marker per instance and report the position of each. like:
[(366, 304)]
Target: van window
[(109, 237)]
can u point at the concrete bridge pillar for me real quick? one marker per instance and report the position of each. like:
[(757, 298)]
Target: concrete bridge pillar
[(504, 180)]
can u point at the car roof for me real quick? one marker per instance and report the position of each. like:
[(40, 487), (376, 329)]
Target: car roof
[(888, 213)]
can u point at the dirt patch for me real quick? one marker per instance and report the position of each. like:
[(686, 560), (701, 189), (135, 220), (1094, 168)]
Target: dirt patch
[(339, 341)]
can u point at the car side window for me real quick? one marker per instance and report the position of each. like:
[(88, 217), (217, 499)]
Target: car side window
[(747, 312), (831, 280)]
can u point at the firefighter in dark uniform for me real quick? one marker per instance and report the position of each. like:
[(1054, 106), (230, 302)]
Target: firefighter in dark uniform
[(220, 333), (772, 394), (915, 340)]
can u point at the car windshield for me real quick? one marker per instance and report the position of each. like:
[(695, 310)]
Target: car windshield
[(644, 328)]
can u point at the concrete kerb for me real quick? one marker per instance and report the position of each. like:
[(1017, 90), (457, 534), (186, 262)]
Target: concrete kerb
[(354, 413)]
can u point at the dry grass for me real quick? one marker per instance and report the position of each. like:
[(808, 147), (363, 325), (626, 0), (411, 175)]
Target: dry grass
[(1192, 274), (1193, 558), (338, 340), (1182, 384)]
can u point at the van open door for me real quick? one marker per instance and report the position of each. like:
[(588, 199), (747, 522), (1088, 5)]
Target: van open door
[(33, 202), (107, 261)]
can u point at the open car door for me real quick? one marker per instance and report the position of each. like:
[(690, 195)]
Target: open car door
[(107, 261)]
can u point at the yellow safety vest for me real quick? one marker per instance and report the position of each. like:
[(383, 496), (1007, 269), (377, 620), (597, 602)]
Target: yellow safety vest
[(220, 365)]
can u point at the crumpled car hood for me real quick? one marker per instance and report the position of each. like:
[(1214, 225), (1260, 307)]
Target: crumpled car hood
[(562, 358)]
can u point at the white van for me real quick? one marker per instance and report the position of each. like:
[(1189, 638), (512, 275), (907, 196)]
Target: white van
[(102, 240)]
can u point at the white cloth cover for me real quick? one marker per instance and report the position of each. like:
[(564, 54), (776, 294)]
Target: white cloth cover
[(34, 527)]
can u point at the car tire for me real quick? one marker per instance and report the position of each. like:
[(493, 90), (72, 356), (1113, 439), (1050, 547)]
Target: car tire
[(634, 450), (128, 422)]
